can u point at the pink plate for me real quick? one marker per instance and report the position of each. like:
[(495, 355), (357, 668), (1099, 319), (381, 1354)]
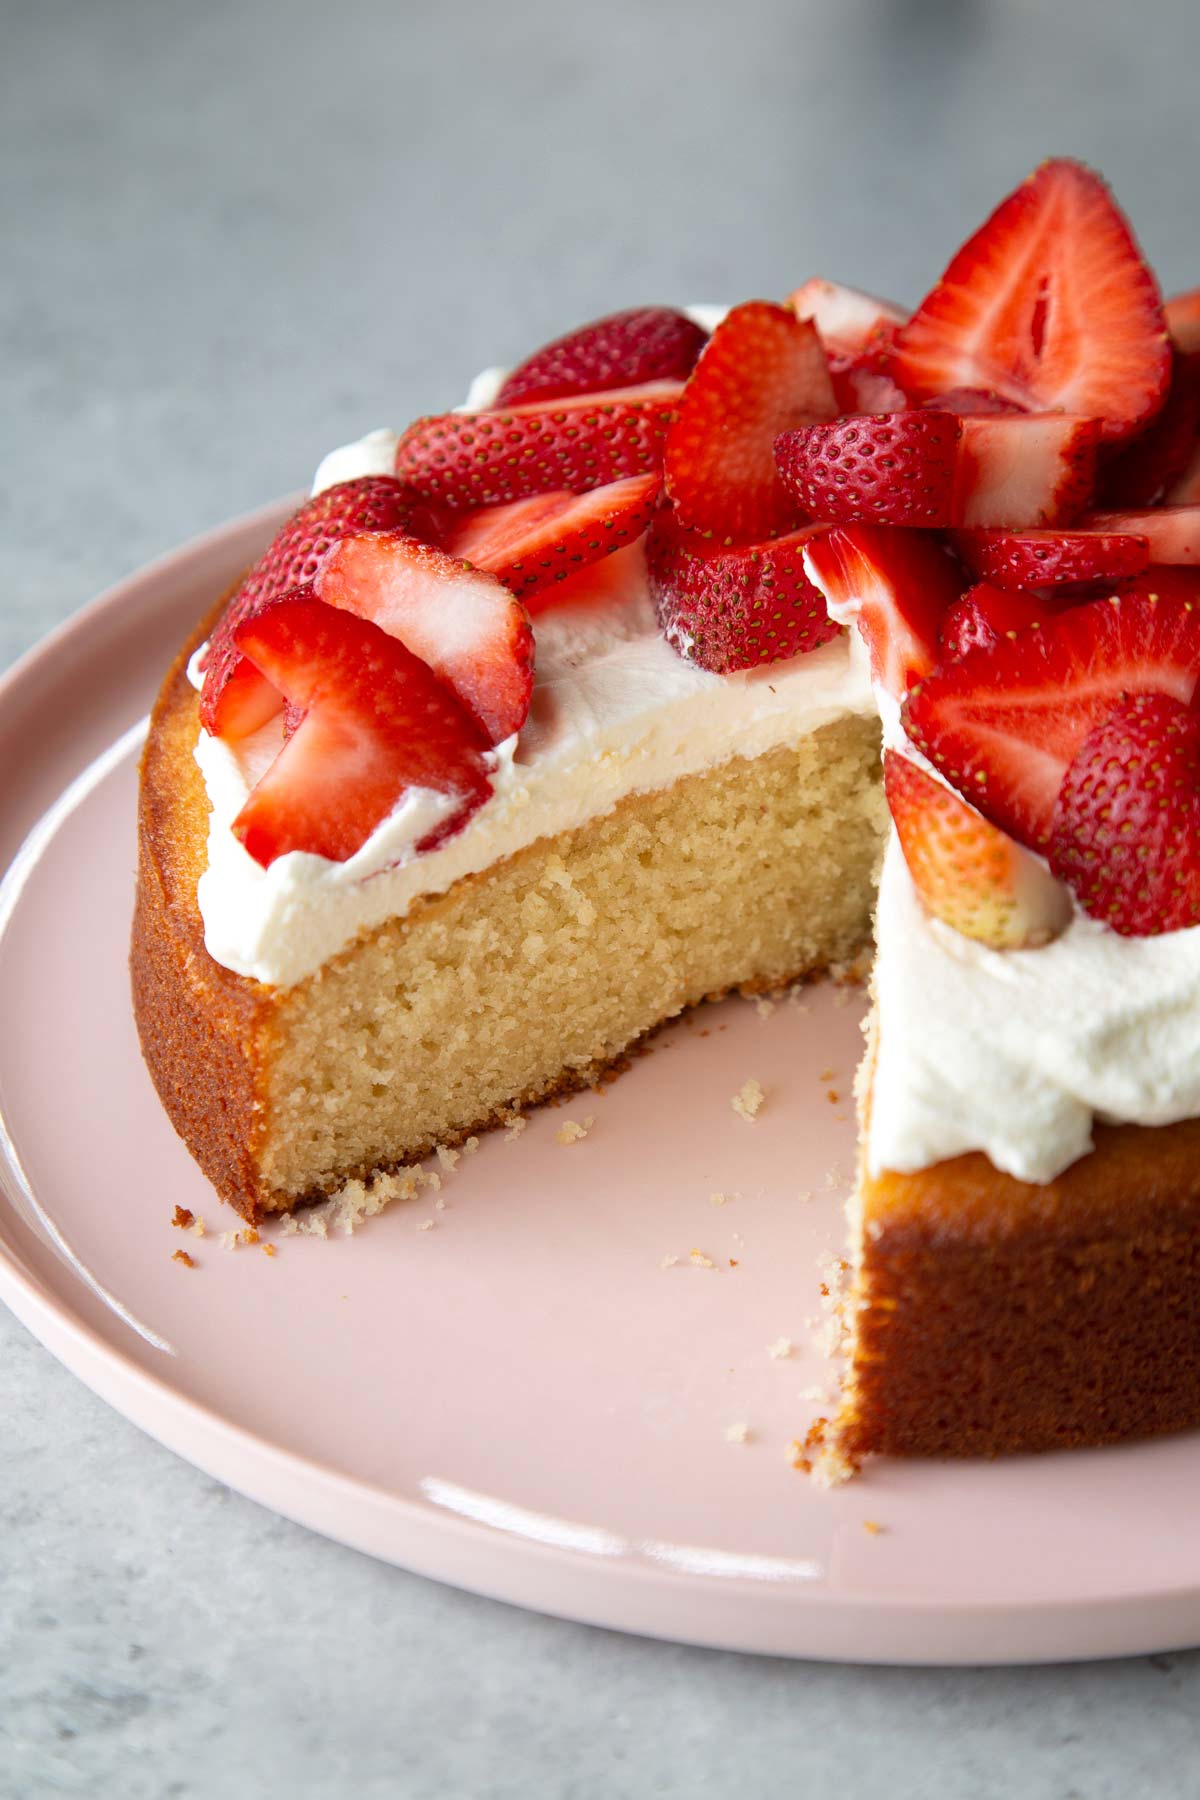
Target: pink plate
[(539, 1388)]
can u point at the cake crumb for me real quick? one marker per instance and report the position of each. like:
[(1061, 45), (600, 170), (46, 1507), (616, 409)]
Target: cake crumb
[(833, 1097), (813, 1393), (228, 1240), (699, 1260), (249, 1235), (733, 1263), (779, 1349), (269, 1250), (804, 1194), (571, 1131), (181, 1256), (441, 1203), (426, 1225), (428, 1178), (719, 1199), (198, 1227), (872, 1527), (668, 1262), (747, 1102), (514, 1127), (737, 1434), (764, 1006), (448, 1158), (182, 1218), (827, 1074), (471, 1146)]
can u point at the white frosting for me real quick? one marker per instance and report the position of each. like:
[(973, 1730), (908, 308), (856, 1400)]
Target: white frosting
[(615, 711), (1014, 1052), (374, 454)]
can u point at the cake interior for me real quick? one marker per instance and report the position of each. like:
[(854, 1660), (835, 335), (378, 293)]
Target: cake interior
[(536, 975)]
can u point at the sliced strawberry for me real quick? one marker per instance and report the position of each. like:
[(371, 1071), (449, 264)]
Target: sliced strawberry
[(1024, 470), (467, 460), (1172, 532), (966, 402), (985, 615), (1050, 304), (1126, 831), (1183, 319), (1185, 489), (860, 386), (762, 371), (533, 546), (892, 468), (895, 585), (1003, 724), (728, 607), (1145, 469), (235, 700), (848, 321), (376, 723), (1025, 559), (967, 873), (462, 621), (626, 349)]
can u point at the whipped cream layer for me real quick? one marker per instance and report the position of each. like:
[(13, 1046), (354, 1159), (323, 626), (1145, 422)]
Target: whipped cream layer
[(615, 711), (1014, 1052)]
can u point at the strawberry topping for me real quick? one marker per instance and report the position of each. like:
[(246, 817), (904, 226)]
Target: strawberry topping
[(736, 606), (648, 343), (762, 372), (461, 621), (1004, 724), (533, 546), (468, 460), (376, 722), (968, 874), (1025, 559), (1126, 833), (235, 700), (1049, 304), (1146, 468), (1172, 532), (895, 585), (986, 614), (893, 468)]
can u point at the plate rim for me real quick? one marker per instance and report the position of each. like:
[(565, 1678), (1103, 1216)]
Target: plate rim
[(821, 1624)]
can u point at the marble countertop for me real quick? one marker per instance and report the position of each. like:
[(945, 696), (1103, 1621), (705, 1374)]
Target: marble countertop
[(235, 235)]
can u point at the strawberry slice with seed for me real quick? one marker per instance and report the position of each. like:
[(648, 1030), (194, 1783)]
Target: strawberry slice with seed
[(986, 615), (377, 723), (1049, 304), (235, 700), (1004, 724), (1172, 532), (1022, 471), (467, 460), (1126, 834), (890, 468), (763, 371), (1075, 557), (1147, 468), (849, 322), (626, 349), (895, 585), (461, 621), (734, 606), (533, 546), (969, 874)]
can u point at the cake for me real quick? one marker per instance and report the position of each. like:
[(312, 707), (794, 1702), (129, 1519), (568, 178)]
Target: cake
[(616, 689)]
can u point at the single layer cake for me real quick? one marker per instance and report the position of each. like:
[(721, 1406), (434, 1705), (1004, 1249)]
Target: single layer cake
[(603, 695)]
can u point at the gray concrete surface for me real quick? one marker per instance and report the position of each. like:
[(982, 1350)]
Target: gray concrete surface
[(230, 236)]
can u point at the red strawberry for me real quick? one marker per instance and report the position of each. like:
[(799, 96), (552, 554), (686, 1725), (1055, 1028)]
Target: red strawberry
[(893, 468), (461, 621), (1024, 470), (1185, 489), (1183, 319), (235, 700), (1025, 559), (648, 343), (896, 585), (847, 321), (1127, 824), (532, 546), (377, 722), (1050, 304), (1172, 532), (761, 372), (468, 460), (1003, 724), (735, 606), (1145, 469), (966, 402), (859, 386), (985, 615), (969, 874)]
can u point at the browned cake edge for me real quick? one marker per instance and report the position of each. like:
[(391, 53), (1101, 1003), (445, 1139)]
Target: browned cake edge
[(989, 1315)]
